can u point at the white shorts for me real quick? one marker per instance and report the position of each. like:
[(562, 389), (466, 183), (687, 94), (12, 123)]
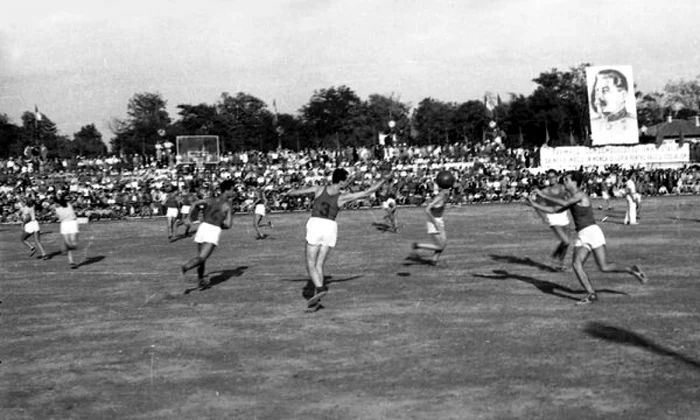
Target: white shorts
[(590, 237), (208, 233), (185, 210), (389, 204), (31, 227), (172, 212), (439, 227), (605, 194), (69, 227), (320, 231), (558, 219), (260, 209)]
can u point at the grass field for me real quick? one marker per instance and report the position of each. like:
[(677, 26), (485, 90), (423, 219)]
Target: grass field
[(491, 333)]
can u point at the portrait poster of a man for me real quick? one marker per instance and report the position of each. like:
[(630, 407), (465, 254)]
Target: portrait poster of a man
[(612, 105)]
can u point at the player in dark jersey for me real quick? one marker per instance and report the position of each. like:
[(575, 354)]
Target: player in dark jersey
[(590, 237), (322, 229), (218, 215)]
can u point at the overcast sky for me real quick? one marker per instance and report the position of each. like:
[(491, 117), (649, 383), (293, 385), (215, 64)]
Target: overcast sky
[(81, 61)]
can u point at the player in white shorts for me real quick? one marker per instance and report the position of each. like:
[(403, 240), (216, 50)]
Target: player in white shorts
[(30, 227), (633, 199), (391, 217), (558, 222), (259, 214), (68, 227), (322, 229), (590, 236), (185, 209), (218, 215), (172, 205), (435, 226)]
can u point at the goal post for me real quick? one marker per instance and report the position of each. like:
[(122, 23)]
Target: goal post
[(197, 150)]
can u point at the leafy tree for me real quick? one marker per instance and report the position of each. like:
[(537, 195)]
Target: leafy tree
[(379, 111), (138, 133), (88, 142), (434, 122), (246, 123), (470, 121), (560, 106), (10, 138), (683, 95), (332, 116), (42, 132)]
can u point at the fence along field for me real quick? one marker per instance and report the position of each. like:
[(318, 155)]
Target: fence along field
[(492, 333)]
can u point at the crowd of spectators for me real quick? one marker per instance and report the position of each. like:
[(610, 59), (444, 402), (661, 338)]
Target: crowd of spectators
[(136, 186)]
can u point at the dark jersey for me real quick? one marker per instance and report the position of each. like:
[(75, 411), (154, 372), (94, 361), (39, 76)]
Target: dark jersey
[(325, 206), (171, 201), (583, 216)]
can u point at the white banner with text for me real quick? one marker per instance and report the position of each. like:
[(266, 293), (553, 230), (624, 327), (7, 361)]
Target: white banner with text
[(647, 155)]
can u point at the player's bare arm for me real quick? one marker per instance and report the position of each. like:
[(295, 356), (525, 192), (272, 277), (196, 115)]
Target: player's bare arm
[(348, 197)]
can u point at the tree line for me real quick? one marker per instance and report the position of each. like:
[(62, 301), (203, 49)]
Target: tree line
[(555, 112)]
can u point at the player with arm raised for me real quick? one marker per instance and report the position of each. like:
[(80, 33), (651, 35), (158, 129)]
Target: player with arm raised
[(217, 215), (590, 237), (322, 229)]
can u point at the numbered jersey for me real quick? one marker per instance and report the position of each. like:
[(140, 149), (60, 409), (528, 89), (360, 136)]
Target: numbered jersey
[(325, 206)]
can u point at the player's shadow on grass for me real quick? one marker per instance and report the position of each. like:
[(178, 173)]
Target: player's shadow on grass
[(685, 219), (544, 286), (327, 279), (629, 338), (383, 227), (417, 259), (91, 260), (50, 255), (512, 259), (218, 277)]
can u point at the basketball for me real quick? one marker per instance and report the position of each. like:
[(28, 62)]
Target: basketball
[(445, 179)]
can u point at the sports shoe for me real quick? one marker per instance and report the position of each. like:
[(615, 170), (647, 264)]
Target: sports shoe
[(639, 274), (319, 293), (32, 252), (588, 300), (414, 245), (73, 266), (308, 291)]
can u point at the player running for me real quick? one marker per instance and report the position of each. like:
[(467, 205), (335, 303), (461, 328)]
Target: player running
[(590, 237), (30, 227), (172, 205), (186, 200), (259, 214), (218, 215), (322, 229), (434, 212), (68, 227), (558, 222)]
